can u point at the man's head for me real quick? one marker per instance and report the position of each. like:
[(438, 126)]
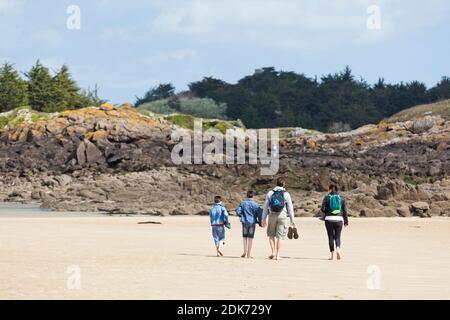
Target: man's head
[(250, 194), (281, 182), (217, 199), (333, 188)]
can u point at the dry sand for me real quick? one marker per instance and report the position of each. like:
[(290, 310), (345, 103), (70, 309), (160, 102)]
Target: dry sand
[(119, 258)]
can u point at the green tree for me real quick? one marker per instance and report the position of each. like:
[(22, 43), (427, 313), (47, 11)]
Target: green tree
[(41, 88), (206, 87), (440, 91), (91, 98), (163, 91), (13, 89), (66, 92)]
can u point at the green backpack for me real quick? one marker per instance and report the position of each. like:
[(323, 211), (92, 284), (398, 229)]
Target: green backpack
[(335, 203)]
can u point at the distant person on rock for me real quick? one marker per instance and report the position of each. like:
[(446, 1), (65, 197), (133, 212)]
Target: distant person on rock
[(218, 216), (250, 214), (279, 212), (335, 210)]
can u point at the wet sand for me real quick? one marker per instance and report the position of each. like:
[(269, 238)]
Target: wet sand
[(117, 258)]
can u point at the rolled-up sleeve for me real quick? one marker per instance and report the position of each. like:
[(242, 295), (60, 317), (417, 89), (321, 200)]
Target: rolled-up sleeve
[(290, 208), (344, 211), (266, 207), (239, 211)]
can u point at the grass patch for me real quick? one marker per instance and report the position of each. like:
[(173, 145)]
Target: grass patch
[(4, 121), (16, 121), (35, 117), (182, 120), (441, 108), (24, 108), (187, 121)]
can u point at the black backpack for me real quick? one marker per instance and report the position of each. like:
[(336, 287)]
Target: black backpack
[(277, 201)]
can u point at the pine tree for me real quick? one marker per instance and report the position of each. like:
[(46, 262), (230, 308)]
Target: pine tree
[(13, 89), (66, 92), (41, 89), (163, 91)]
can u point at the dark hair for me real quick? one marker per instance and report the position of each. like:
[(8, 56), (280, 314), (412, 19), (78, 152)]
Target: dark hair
[(333, 187), (281, 182), (217, 199), (250, 194)]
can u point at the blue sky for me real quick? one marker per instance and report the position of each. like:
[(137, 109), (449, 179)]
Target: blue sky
[(126, 47)]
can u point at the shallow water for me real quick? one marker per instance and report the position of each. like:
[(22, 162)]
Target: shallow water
[(31, 211)]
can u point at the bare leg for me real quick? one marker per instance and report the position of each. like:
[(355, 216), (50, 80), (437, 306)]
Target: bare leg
[(219, 254), (272, 247), (245, 248), (249, 247), (332, 256), (277, 249)]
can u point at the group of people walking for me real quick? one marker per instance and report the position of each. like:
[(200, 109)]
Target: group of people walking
[(277, 214)]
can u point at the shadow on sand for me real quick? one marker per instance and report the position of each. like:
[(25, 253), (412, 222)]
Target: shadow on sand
[(207, 256), (236, 257)]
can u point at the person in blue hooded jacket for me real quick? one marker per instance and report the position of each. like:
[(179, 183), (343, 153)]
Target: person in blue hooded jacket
[(218, 216), (250, 214)]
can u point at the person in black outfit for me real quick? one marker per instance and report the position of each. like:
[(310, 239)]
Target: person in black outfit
[(335, 211)]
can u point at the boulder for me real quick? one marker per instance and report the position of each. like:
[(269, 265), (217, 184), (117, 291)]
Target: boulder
[(63, 179), (403, 211), (81, 154), (88, 153), (35, 195), (420, 205), (93, 194), (93, 155), (420, 209)]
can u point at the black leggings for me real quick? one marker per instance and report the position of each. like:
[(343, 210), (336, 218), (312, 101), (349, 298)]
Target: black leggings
[(334, 229)]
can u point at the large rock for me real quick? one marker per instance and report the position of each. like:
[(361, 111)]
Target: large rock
[(420, 209), (420, 205), (81, 154), (93, 155), (63, 179), (403, 211)]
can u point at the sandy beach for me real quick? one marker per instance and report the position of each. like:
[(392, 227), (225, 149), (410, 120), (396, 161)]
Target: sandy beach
[(117, 258)]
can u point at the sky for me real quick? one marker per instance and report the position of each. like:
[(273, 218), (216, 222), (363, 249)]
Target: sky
[(127, 47)]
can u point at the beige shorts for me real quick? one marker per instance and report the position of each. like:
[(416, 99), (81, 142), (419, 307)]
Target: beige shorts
[(278, 225)]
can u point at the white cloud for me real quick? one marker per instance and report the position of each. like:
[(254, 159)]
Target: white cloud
[(182, 54), (291, 24), (49, 37), (159, 57), (10, 6)]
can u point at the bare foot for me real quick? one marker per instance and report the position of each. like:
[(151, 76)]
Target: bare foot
[(338, 255), (332, 257), (244, 255), (249, 257), (277, 258), (219, 254)]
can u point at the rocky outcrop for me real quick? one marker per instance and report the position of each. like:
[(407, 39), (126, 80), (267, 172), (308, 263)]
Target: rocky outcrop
[(97, 138), (117, 160)]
